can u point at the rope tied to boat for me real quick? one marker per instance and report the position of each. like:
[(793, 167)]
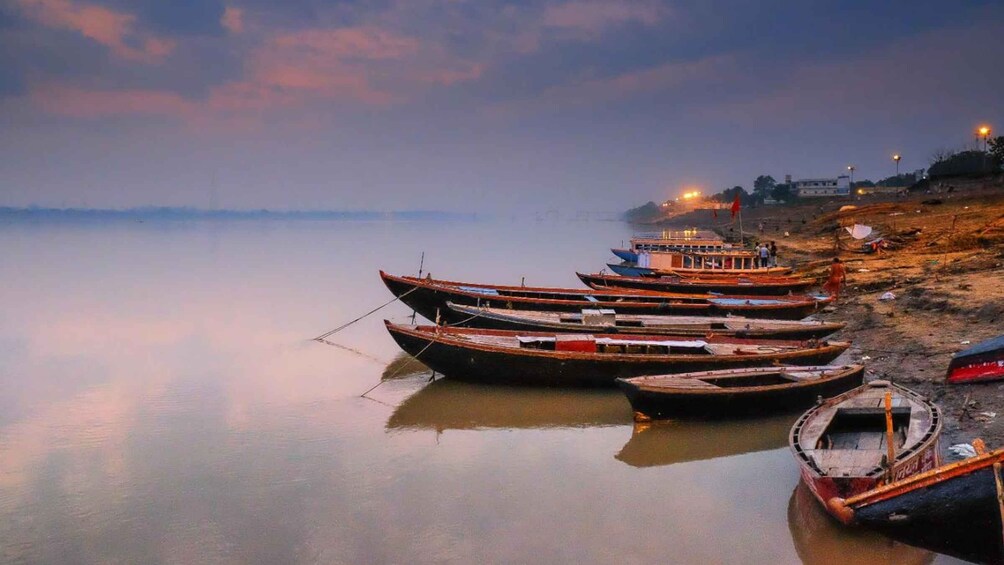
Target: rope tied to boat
[(395, 373), (373, 311)]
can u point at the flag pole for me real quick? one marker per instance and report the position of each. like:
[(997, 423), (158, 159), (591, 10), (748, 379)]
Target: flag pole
[(742, 242)]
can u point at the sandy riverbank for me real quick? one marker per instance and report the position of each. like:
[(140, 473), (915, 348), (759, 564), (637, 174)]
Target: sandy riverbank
[(946, 269)]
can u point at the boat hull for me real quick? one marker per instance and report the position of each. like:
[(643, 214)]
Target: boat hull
[(464, 361), (676, 284), (734, 402), (514, 322), (960, 517), (625, 255), (430, 300), (631, 270), (981, 363)]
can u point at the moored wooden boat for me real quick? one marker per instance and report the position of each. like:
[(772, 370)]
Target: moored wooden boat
[(842, 447), (632, 269), (429, 296), (979, 363), (610, 321), (734, 284), (706, 260), (736, 393), (954, 509), (556, 359)]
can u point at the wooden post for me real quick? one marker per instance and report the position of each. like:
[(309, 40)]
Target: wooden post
[(889, 433)]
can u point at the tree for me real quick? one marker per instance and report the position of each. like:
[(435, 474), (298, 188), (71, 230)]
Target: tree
[(964, 163), (783, 193), (905, 179), (996, 146), (762, 187)]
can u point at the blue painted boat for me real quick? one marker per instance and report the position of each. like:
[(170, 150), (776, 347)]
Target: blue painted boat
[(625, 255), (626, 270)]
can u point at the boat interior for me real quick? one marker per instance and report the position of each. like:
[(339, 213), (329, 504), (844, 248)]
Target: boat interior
[(768, 376), (849, 438)]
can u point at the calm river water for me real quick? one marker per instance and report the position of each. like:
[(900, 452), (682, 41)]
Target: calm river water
[(161, 402)]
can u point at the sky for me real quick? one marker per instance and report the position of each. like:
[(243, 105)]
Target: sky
[(477, 105)]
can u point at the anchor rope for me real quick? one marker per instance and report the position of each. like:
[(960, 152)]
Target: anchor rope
[(373, 311), (401, 368)]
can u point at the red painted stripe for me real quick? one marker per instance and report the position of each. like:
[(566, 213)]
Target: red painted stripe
[(984, 371)]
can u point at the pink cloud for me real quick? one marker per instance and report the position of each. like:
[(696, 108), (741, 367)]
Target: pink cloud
[(232, 19), (595, 16), (282, 71), (114, 30)]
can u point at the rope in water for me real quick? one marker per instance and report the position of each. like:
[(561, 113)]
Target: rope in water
[(373, 311), (401, 368)]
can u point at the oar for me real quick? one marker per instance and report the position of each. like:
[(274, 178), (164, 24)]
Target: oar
[(889, 435)]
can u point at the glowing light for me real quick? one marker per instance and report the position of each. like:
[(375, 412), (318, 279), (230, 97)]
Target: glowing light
[(984, 131), (691, 194), (896, 157)]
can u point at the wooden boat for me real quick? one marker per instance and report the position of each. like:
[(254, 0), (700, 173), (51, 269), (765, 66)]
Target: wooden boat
[(631, 269), (695, 261), (733, 284), (955, 509), (981, 362), (736, 392), (842, 446), (429, 296), (668, 442), (557, 359), (609, 321)]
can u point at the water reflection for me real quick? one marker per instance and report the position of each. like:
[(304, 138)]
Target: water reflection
[(821, 540), (447, 404), (665, 442), (403, 366)]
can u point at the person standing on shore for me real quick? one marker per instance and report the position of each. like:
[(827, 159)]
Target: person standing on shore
[(773, 254), (838, 278), (764, 256)]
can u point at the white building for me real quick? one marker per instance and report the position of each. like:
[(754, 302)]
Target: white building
[(811, 188)]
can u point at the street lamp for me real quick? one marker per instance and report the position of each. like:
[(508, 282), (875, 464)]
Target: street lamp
[(896, 158), (851, 169), (984, 132)]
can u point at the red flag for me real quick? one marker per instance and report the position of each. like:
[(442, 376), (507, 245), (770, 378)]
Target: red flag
[(735, 206)]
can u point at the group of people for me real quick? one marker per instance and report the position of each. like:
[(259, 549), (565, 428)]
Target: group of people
[(766, 254)]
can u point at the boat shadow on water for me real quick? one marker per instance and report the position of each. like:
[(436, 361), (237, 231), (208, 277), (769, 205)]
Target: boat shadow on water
[(453, 405), (666, 442), (820, 539), (404, 366)]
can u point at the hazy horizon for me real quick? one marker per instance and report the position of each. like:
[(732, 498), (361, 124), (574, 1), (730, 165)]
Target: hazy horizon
[(459, 106)]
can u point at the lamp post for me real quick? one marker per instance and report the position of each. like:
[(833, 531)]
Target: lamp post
[(984, 132), (851, 169), (896, 158)]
